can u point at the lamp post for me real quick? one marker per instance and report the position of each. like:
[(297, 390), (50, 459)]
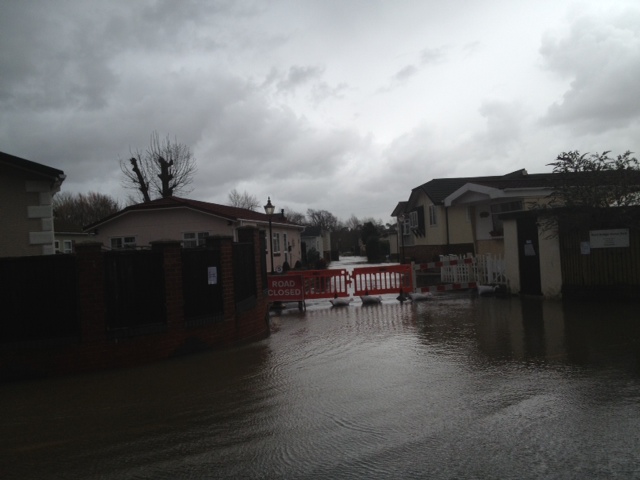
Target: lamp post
[(401, 218), (269, 209)]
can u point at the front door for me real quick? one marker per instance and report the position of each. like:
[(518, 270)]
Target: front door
[(529, 256)]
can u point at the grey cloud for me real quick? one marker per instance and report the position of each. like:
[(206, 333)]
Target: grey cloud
[(431, 55), (298, 76), (602, 58)]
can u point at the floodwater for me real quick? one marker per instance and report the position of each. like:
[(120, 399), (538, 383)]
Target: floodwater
[(458, 387)]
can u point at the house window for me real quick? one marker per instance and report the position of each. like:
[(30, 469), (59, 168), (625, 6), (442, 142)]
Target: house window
[(123, 242), (284, 242), (194, 239), (433, 215), (406, 224), (67, 246), (497, 209), (276, 243), (469, 214), (413, 219)]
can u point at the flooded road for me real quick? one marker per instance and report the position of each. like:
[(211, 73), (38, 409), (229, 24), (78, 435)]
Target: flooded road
[(456, 387)]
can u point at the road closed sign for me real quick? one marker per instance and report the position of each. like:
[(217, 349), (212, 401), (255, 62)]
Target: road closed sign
[(285, 288)]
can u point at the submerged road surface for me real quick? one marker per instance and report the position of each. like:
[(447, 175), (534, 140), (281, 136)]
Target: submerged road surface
[(458, 387)]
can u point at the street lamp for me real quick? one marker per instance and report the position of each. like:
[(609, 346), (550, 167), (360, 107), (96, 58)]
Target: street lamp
[(269, 209)]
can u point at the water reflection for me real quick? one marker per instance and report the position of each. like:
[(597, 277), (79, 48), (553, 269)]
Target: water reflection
[(457, 387)]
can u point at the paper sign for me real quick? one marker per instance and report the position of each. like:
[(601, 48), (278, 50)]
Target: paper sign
[(609, 238), (212, 273)]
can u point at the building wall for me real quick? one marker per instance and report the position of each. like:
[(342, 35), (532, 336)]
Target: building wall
[(171, 224), (460, 225), (26, 214), (161, 225), (550, 264)]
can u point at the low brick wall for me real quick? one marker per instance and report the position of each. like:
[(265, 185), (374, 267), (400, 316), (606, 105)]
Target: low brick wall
[(95, 349)]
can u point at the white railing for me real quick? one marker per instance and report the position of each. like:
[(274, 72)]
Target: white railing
[(486, 269)]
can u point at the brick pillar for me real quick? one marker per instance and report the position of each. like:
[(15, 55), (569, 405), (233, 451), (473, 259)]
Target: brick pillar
[(252, 234), (92, 308), (225, 245), (172, 265)]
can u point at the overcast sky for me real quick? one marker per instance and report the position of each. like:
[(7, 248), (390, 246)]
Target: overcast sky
[(341, 105)]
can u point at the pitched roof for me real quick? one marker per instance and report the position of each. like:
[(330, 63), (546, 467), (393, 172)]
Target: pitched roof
[(440, 188), (34, 167), (225, 211)]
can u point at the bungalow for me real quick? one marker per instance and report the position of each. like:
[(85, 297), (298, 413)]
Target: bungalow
[(462, 215), (26, 215), (191, 222), (317, 239), (553, 252)]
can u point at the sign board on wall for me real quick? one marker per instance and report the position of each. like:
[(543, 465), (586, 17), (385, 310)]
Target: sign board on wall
[(618, 237)]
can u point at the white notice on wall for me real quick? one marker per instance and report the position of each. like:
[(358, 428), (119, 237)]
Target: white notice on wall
[(618, 237), (213, 275), (585, 248)]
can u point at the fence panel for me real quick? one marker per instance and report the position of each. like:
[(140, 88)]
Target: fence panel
[(134, 289), (484, 269), (324, 283), (38, 297), (379, 280), (602, 272), (202, 286), (244, 275)]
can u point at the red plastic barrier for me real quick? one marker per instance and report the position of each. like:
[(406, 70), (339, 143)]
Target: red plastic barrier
[(285, 288), (324, 283), (378, 280)]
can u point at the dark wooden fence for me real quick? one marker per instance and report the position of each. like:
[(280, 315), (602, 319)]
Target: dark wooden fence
[(202, 286), (605, 273), (134, 291), (38, 298)]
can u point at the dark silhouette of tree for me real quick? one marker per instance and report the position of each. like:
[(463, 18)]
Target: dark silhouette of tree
[(83, 209), (165, 169), (595, 180), (323, 219), (592, 190)]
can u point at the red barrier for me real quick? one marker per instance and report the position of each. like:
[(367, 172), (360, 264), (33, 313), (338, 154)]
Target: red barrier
[(324, 283), (285, 288), (378, 280)]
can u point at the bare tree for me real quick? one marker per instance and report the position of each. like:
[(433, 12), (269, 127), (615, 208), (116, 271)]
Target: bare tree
[(243, 200), (323, 219), (83, 209), (353, 223), (295, 217), (165, 169)]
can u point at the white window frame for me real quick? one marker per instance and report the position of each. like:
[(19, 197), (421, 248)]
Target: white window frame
[(194, 239), (128, 241), (406, 225), (413, 219), (276, 242), (433, 215)]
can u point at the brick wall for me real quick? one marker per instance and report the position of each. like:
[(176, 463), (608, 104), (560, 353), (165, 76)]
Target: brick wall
[(96, 350)]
